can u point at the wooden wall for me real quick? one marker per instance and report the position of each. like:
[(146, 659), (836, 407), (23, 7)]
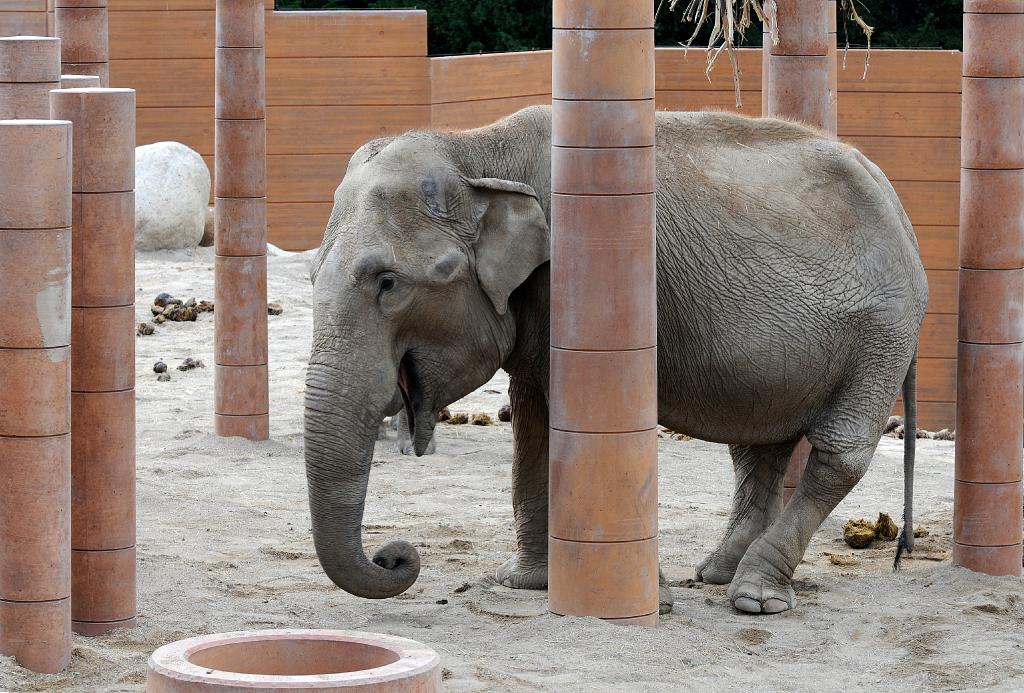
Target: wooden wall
[(334, 80), (337, 79), (23, 18)]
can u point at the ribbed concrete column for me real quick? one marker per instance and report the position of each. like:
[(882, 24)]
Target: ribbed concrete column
[(29, 69), (799, 82), (103, 353), (242, 391), (990, 357), (35, 419), (82, 27), (603, 548)]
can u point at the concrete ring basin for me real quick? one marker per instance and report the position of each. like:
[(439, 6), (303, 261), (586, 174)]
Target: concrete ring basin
[(294, 660)]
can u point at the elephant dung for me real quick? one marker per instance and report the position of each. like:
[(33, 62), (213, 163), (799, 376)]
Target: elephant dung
[(458, 419), (505, 413), (481, 420), (886, 529), (859, 534), (841, 559)]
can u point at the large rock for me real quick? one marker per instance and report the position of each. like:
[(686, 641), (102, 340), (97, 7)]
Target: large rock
[(172, 193)]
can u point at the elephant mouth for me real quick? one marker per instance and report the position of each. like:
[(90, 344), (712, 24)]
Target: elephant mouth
[(412, 394)]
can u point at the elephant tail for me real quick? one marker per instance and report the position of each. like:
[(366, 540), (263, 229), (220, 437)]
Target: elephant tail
[(906, 542)]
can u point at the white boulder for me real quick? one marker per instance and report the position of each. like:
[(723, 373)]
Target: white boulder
[(172, 194)]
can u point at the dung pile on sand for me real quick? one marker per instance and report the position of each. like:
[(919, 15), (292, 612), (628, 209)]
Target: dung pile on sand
[(860, 534), (895, 429), (462, 418)]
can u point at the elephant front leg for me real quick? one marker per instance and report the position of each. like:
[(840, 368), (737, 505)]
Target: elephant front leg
[(529, 568), (762, 583), (756, 502)]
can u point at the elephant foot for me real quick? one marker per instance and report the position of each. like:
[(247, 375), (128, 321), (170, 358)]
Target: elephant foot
[(532, 576), (665, 599), (718, 568), (753, 592)]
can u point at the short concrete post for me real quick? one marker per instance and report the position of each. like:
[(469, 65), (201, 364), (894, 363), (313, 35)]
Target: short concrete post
[(29, 69), (35, 419), (103, 353), (82, 27), (242, 391), (603, 515), (79, 82), (990, 356)]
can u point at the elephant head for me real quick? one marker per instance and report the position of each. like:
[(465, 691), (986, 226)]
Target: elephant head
[(412, 287)]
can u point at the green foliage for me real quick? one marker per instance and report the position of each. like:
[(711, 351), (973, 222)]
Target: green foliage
[(472, 26), (931, 24)]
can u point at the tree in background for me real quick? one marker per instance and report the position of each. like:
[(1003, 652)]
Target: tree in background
[(473, 26)]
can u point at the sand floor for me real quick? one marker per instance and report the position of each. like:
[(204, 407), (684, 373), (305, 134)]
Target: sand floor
[(224, 544)]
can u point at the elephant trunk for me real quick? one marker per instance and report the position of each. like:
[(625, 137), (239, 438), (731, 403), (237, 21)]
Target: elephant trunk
[(341, 423)]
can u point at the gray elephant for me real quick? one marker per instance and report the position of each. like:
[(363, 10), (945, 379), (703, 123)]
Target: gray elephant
[(790, 297)]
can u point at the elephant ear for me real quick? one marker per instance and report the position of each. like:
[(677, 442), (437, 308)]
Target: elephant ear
[(513, 238)]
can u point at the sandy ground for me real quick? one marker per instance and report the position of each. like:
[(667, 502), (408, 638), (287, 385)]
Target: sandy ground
[(224, 545)]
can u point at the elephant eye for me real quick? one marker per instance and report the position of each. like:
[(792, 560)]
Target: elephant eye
[(386, 283)]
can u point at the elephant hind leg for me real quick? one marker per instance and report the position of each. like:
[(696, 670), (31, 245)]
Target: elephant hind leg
[(762, 583), (756, 502)]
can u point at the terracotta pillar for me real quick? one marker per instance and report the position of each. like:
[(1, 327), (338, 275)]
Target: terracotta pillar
[(82, 27), (990, 358), (242, 396), (603, 523), (29, 69), (103, 353), (799, 82), (35, 420)]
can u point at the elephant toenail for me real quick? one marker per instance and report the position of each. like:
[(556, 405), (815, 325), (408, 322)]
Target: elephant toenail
[(748, 605)]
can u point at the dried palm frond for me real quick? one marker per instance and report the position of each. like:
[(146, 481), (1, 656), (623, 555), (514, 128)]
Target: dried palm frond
[(731, 18)]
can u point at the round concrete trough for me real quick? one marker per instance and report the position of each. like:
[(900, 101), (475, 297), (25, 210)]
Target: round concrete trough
[(294, 660)]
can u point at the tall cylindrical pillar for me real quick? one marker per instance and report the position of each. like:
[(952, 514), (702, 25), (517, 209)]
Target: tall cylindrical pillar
[(242, 393), (29, 69), (603, 523), (799, 81), (990, 357), (103, 354), (82, 27), (35, 419)]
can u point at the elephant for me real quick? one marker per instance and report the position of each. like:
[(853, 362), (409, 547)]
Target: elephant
[(790, 295), (396, 419)]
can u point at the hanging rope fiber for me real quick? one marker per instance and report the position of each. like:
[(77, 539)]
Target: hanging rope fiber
[(729, 20)]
